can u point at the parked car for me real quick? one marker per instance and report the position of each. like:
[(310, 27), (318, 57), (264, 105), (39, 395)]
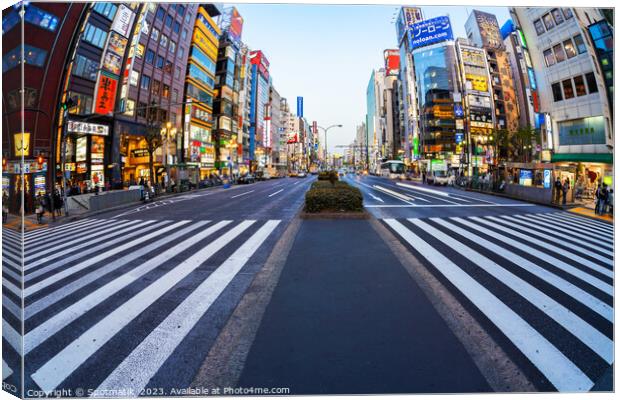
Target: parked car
[(247, 178), (293, 174), (262, 175)]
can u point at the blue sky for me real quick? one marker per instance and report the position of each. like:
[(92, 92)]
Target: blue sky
[(325, 53)]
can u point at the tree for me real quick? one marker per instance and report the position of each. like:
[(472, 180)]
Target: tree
[(523, 140), (499, 141), (152, 136)]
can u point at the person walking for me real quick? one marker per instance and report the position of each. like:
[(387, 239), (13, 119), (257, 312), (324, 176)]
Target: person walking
[(57, 203), (602, 197), (558, 190), (610, 202), (597, 196), (38, 208), (5, 207), (565, 188)]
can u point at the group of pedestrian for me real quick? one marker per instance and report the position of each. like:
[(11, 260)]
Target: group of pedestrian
[(561, 189), (43, 203), (604, 200)]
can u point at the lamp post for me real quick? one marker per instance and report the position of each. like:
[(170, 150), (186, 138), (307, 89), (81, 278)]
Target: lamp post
[(325, 133), (167, 132)]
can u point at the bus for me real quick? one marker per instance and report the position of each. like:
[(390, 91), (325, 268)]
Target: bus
[(393, 169)]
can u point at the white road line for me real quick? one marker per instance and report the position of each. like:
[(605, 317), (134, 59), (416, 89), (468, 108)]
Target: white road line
[(550, 361), (9, 272), (64, 273), (583, 220), (53, 237), (37, 235), (12, 307), (64, 291), (516, 223), (63, 364), (12, 337), (593, 230), (10, 240), (11, 287), (445, 194), (565, 286), (574, 235), (444, 199), (569, 254), (8, 252), (48, 328), (425, 190), (12, 264), (143, 363), (584, 276), (296, 183), (39, 251), (375, 197), (273, 194), (6, 370), (244, 193), (588, 335), (99, 243), (61, 226), (448, 205)]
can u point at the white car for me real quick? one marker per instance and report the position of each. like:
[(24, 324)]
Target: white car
[(440, 178)]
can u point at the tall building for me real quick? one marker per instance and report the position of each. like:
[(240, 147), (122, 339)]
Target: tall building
[(483, 30), (283, 129), (50, 33), (375, 117), (199, 147), (410, 136), (573, 97), (274, 128), (245, 86), (260, 140)]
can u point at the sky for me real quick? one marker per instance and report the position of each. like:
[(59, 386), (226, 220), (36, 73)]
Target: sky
[(326, 54)]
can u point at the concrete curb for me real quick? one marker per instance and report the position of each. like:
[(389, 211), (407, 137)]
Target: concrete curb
[(552, 205), (500, 371), (335, 215), (224, 364)]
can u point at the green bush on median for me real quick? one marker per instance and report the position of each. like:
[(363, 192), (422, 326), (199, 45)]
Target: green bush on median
[(324, 196)]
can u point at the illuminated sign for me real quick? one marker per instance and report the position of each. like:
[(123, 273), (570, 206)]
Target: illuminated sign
[(392, 62), (123, 20), (549, 131), (473, 57), (525, 177), (117, 44), (477, 83), (406, 18), (300, 106), (96, 147), (80, 149), (106, 93), (112, 62), (431, 31), (489, 30), (22, 144), (87, 128)]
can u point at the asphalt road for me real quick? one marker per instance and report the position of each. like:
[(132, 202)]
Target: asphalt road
[(134, 298), (538, 279)]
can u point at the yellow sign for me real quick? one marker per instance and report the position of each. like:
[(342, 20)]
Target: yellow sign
[(22, 144), (478, 82)]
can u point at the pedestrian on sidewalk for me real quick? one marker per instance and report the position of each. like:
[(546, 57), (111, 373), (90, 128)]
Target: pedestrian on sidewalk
[(558, 190), (597, 196), (38, 208), (565, 188), (610, 202), (57, 203), (603, 195), (5, 207)]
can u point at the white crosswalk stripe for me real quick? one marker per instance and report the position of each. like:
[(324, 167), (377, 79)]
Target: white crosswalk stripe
[(583, 220), (584, 225), (470, 251), (123, 281)]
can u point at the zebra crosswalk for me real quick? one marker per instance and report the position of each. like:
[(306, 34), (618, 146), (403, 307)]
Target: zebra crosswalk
[(106, 292), (542, 281)]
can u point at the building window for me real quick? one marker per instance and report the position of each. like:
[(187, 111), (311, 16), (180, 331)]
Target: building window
[(540, 29), (580, 85), (85, 67), (160, 62), (84, 102), (557, 92), (175, 95), (94, 35), (180, 52), (558, 51), (557, 16), (177, 73), (188, 17), (155, 35), (165, 91), (184, 34), (33, 15), (145, 82), (155, 88), (141, 111), (108, 10), (160, 13), (150, 56), (176, 27), (567, 85), (180, 10), (569, 48), (168, 67), (549, 58), (568, 13), (164, 41), (591, 80), (581, 46), (172, 47), (548, 20), (169, 21)]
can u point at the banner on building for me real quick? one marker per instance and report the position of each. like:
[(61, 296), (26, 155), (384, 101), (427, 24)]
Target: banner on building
[(123, 20), (106, 94), (22, 144), (431, 31), (392, 61), (300, 106)]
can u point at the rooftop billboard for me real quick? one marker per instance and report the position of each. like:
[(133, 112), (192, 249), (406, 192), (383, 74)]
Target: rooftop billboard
[(430, 31)]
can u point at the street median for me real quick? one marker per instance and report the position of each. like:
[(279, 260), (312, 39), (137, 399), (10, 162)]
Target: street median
[(333, 199)]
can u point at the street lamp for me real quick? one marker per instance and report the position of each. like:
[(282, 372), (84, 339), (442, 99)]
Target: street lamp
[(325, 132), (167, 133)]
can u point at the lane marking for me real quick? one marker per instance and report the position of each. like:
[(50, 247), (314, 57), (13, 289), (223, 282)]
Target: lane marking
[(447, 194), (550, 361), (137, 369), (375, 197), (59, 321), (242, 194), (63, 364), (584, 220), (62, 227), (580, 225), (55, 237), (450, 205), (588, 335), (40, 235), (6, 370), (584, 276), (12, 337), (273, 194), (565, 286), (12, 307)]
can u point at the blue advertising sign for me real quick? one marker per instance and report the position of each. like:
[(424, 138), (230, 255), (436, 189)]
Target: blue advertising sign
[(458, 111), (525, 177), (430, 31), (547, 178), (300, 106), (459, 138)]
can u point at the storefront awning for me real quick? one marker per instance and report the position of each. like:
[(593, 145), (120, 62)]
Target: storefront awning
[(606, 158)]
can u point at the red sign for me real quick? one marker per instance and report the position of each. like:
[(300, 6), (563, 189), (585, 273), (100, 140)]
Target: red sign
[(106, 95), (314, 127), (392, 62), (258, 58), (236, 24), (535, 101)]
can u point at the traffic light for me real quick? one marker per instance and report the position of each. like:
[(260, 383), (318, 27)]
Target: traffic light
[(68, 104)]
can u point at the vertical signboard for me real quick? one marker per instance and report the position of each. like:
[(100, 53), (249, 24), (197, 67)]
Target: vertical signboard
[(392, 61), (106, 93), (300, 106)]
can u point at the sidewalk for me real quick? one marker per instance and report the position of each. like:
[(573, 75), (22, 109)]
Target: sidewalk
[(587, 212), (14, 222), (346, 318)]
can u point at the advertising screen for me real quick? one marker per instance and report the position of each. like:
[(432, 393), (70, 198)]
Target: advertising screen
[(392, 62), (112, 62), (477, 83), (117, 44), (525, 177), (431, 31), (80, 149), (96, 147)]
